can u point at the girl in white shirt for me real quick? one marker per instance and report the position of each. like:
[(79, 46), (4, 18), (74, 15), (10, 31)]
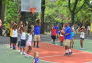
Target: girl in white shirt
[(82, 37), (29, 43), (23, 41), (14, 36)]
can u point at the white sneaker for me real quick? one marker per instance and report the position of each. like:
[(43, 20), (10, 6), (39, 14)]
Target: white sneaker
[(27, 55), (82, 48), (18, 50), (21, 53), (24, 53)]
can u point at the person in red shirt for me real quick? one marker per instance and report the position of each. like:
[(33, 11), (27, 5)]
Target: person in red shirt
[(61, 37), (53, 34)]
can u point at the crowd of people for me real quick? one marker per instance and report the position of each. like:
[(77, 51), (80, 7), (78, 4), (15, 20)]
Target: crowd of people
[(66, 36), (21, 38)]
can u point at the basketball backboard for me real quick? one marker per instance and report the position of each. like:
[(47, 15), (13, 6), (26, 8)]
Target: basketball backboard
[(27, 4)]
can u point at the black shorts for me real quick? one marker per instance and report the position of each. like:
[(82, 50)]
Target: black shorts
[(14, 40), (53, 37), (11, 39), (82, 38), (23, 43)]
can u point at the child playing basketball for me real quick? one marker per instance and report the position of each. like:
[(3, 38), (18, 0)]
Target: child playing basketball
[(36, 58), (29, 43), (61, 37), (23, 41), (14, 36), (67, 36)]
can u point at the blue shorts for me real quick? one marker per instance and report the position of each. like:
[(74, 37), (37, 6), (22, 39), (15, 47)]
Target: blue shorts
[(23, 43)]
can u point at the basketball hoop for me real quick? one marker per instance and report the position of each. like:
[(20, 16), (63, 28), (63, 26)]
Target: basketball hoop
[(33, 10)]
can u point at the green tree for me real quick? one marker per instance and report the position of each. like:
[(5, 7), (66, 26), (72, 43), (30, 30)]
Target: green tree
[(74, 7), (12, 10)]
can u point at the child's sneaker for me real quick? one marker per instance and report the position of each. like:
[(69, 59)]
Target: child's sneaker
[(24, 53), (82, 48), (66, 54), (14, 48), (27, 55), (10, 47), (70, 53), (21, 53), (37, 46)]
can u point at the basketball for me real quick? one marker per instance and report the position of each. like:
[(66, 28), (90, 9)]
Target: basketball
[(62, 31)]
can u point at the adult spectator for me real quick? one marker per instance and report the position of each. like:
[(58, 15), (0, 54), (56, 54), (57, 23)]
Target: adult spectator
[(67, 36)]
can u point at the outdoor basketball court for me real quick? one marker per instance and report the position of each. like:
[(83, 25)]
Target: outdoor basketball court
[(49, 53), (54, 53)]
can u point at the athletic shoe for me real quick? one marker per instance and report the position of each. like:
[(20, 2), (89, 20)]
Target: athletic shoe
[(14, 48), (66, 54), (21, 53), (24, 53), (37, 46), (70, 53), (11, 47), (27, 55), (82, 48)]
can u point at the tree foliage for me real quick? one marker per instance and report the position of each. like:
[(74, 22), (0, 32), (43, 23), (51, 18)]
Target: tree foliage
[(56, 12), (76, 11), (12, 10)]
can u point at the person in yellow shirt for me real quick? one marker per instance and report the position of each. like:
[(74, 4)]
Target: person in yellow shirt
[(11, 33)]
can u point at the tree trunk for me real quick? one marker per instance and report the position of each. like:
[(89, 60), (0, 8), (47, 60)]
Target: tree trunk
[(2, 9), (75, 9), (42, 23), (42, 16), (72, 18)]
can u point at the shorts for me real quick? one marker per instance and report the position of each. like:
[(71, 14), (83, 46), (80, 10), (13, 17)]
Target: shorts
[(29, 43), (22, 43), (82, 38), (11, 39), (14, 40), (36, 37), (67, 42), (53, 37)]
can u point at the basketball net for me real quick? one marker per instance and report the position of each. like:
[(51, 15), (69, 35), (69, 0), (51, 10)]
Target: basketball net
[(33, 10)]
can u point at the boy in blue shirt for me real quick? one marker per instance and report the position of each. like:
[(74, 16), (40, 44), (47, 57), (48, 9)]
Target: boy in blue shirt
[(68, 38), (36, 58), (37, 32)]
